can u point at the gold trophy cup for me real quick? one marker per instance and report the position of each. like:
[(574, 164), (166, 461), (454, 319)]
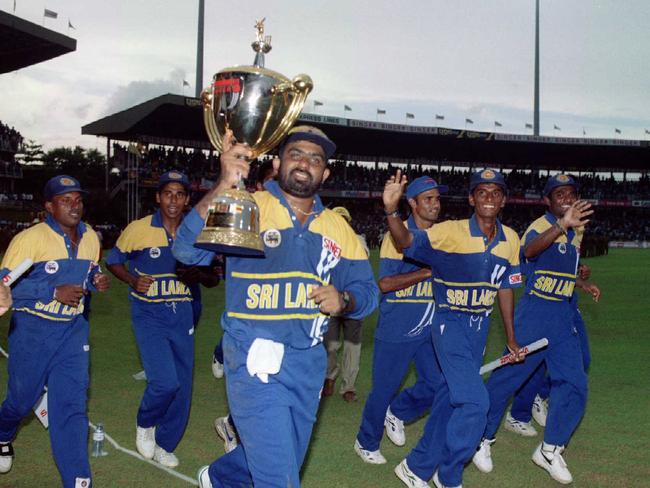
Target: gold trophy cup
[(260, 106)]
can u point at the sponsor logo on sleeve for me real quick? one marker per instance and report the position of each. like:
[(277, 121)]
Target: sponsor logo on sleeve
[(515, 279)]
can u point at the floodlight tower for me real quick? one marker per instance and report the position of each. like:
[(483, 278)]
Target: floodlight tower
[(536, 96), (199, 51)]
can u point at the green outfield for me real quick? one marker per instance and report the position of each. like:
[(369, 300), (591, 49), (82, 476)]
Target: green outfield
[(610, 447)]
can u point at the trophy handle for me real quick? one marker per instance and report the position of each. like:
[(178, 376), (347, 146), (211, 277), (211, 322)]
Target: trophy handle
[(208, 119)]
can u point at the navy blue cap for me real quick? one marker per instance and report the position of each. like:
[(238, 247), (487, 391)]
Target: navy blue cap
[(487, 176), (559, 180), (311, 134), (424, 183), (174, 176), (61, 184)]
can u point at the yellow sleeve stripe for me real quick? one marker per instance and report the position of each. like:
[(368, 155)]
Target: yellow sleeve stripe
[(158, 300), (271, 276), (554, 273), (533, 292), (299, 316), (475, 283), (49, 317), (409, 300), (162, 275)]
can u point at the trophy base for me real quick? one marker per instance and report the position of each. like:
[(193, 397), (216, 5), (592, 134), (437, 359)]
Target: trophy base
[(230, 242)]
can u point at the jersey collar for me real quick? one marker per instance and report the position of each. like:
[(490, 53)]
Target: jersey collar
[(475, 230), (156, 219), (54, 225), (273, 188)]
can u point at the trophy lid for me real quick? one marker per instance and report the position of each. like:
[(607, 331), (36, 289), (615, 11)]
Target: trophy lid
[(261, 45)]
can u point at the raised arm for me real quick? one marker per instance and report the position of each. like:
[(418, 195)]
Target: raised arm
[(393, 191)]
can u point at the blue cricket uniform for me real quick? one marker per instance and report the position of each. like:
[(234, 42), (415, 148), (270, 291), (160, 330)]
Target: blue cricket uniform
[(402, 335), (468, 271), (267, 298), (163, 324), (48, 342), (545, 310)]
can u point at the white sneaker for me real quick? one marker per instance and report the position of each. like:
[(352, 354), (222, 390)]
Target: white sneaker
[(394, 429), (525, 429), (540, 410), (204, 477), (217, 367), (227, 433), (436, 482), (409, 478), (6, 457), (165, 458), (483, 457), (549, 457), (145, 441), (370, 457)]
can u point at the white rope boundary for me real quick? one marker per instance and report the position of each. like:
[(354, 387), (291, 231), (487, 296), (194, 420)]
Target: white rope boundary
[(131, 453)]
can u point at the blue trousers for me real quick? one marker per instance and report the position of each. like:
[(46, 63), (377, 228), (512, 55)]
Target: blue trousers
[(165, 338), (274, 420), (458, 414), (53, 354), (540, 384), (390, 363), (536, 318)]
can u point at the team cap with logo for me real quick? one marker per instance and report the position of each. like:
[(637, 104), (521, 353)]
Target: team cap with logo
[(61, 184), (487, 176), (422, 184), (174, 176), (311, 134), (559, 180)]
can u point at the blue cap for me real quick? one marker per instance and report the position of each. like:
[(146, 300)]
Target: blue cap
[(174, 176), (424, 183), (61, 184), (487, 176), (311, 134), (559, 180)]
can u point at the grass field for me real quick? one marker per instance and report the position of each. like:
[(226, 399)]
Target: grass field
[(609, 449)]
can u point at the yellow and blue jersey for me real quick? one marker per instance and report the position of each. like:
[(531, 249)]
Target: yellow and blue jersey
[(268, 297), (57, 261), (552, 274), (147, 247), (404, 314), (467, 269)]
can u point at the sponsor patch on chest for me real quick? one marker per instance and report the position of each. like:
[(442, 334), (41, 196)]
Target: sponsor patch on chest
[(51, 267)]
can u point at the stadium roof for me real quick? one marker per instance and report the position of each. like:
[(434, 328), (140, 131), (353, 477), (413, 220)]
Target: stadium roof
[(177, 121), (23, 43)]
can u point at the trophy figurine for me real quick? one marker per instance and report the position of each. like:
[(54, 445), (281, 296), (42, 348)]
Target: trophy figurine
[(260, 106)]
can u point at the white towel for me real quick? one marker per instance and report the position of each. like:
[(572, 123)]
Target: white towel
[(264, 358)]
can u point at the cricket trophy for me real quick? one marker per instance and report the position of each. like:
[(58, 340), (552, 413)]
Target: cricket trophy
[(260, 106)]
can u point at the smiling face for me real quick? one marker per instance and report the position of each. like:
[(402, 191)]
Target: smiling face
[(560, 199), (425, 207), (172, 199), (487, 199), (302, 168), (67, 209)]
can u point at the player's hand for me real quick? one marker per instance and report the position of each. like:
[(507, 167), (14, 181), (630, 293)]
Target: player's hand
[(576, 215), (189, 276), (234, 161), (592, 289), (328, 299), (142, 283), (68, 294), (584, 272), (516, 351), (5, 298), (393, 191), (102, 282)]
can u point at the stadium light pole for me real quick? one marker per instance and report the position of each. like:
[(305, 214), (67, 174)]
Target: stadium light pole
[(199, 51), (536, 96)]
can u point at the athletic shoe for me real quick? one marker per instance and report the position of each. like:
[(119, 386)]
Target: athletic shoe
[(6, 457), (217, 367), (483, 457), (525, 429), (409, 478), (204, 477), (549, 457), (540, 410), (226, 432), (436, 481), (145, 441), (165, 458), (370, 457), (394, 428)]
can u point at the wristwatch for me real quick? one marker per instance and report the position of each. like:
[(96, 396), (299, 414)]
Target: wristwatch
[(394, 213)]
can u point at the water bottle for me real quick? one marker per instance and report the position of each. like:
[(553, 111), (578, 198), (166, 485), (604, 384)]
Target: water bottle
[(98, 442)]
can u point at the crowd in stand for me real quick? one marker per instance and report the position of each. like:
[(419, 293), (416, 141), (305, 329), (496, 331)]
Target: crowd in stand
[(10, 139)]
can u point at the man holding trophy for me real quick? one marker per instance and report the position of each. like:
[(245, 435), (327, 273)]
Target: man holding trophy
[(291, 264)]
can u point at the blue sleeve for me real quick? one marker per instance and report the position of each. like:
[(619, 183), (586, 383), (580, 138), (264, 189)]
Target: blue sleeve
[(91, 277), (116, 256), (389, 267), (183, 249), (358, 280), (420, 248)]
